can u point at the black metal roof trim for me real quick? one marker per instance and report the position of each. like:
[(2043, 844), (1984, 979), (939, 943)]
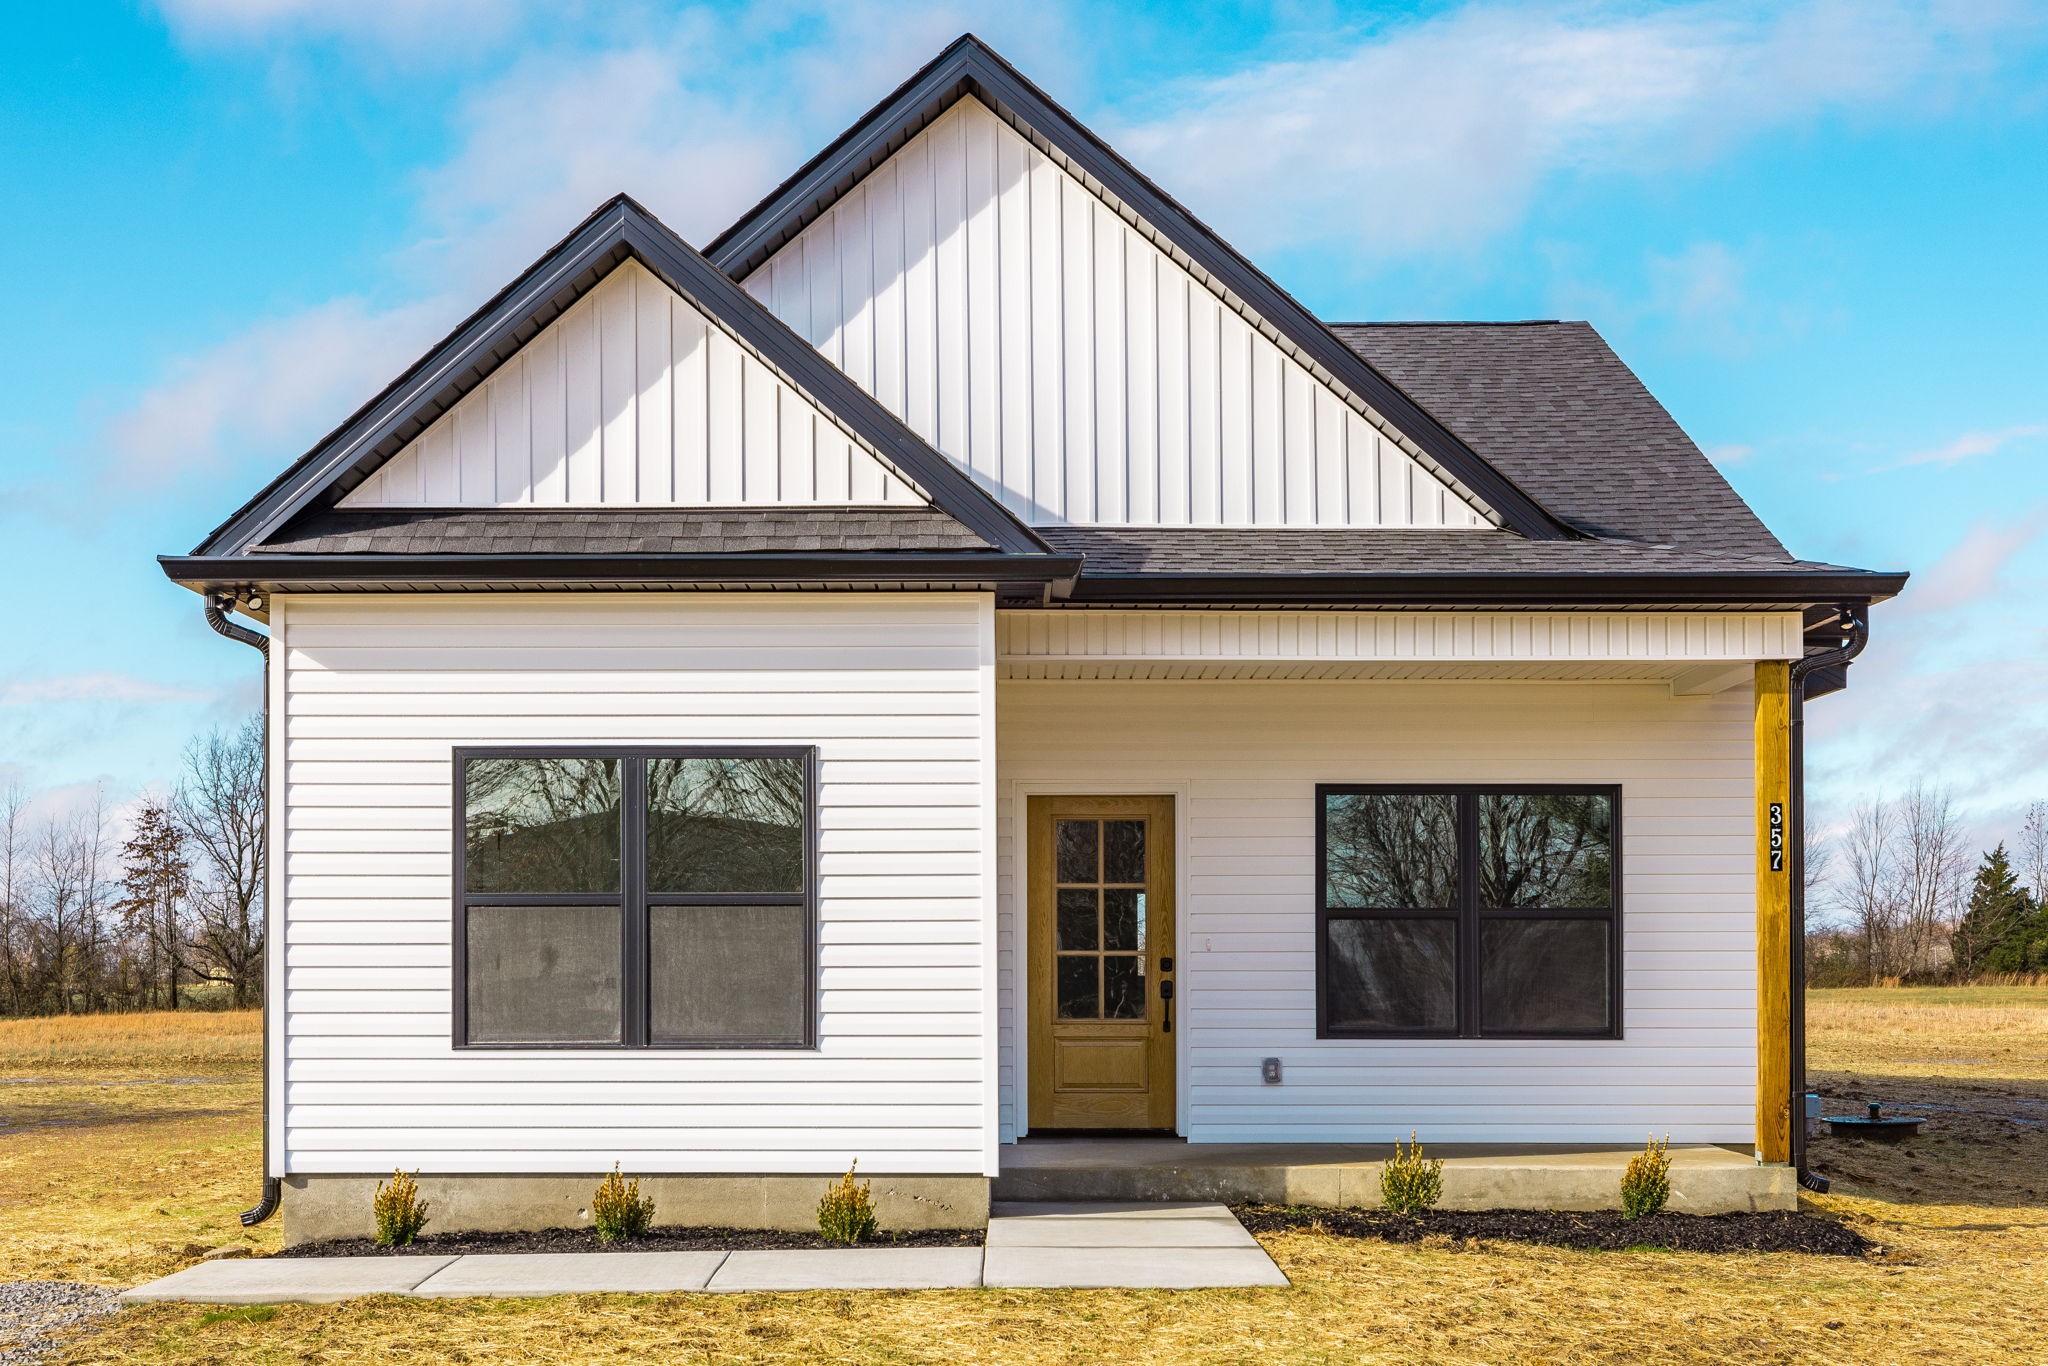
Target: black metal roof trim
[(220, 572), (1761, 589), (969, 67), (619, 229)]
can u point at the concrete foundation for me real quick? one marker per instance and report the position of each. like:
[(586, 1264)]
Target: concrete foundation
[(1704, 1179), (317, 1208)]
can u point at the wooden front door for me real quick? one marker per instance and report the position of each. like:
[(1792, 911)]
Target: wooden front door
[(1101, 963)]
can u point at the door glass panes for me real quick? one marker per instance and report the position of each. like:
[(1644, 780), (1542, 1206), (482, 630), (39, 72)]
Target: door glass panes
[(1390, 850), (1123, 918), (1080, 986), (541, 825), (1123, 987), (1099, 927), (1078, 920), (1077, 842), (725, 825), (1123, 851)]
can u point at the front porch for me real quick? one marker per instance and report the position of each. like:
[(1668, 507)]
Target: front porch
[(1705, 1178)]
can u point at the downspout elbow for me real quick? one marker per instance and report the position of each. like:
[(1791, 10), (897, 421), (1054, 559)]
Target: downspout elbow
[(217, 608)]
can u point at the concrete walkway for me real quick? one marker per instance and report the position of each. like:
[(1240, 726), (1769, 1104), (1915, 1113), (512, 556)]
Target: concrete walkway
[(1137, 1246)]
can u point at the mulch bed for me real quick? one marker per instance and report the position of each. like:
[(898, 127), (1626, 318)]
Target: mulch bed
[(654, 1240), (1595, 1230)]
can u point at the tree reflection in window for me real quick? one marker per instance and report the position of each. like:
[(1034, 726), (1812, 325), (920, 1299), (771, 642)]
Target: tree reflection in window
[(1546, 850), (1391, 850), (725, 825), (541, 825)]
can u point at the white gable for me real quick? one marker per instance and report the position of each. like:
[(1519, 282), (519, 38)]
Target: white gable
[(1022, 324), (633, 396)]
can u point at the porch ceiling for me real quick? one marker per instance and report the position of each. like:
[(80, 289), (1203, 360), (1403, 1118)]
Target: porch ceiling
[(1677, 673)]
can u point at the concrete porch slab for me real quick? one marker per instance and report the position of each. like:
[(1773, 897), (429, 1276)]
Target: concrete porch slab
[(1705, 1179), (571, 1273), (853, 1268), (289, 1280)]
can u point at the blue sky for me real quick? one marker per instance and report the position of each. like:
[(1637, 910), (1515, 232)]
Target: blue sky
[(1815, 229)]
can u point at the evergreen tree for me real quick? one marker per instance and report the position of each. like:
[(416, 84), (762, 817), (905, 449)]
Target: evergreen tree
[(2000, 924)]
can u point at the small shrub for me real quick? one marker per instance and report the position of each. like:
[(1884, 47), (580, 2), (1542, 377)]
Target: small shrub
[(847, 1213), (1646, 1185), (400, 1212), (1409, 1182), (619, 1210)]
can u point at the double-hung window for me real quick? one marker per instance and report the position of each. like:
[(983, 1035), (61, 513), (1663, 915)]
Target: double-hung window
[(1468, 912), (613, 897)]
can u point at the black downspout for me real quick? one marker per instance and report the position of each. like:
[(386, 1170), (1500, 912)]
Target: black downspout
[(1854, 624), (217, 609)]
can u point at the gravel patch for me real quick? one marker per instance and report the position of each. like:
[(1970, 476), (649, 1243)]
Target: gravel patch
[(31, 1311)]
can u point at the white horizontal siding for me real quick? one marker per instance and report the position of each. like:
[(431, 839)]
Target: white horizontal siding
[(634, 396), (1035, 331), (374, 696), (1242, 760)]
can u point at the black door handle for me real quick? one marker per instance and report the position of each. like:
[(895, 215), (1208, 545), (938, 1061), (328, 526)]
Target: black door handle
[(1166, 996)]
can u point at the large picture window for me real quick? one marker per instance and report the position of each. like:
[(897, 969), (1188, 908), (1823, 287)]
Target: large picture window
[(634, 897), (1468, 912)]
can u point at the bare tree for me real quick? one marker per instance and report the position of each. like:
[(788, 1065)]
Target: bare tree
[(1819, 857), (220, 807), (1867, 893), (2030, 855), (1934, 874), (69, 872), (13, 890)]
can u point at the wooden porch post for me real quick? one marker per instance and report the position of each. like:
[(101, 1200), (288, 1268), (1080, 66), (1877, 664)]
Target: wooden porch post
[(1774, 1118)]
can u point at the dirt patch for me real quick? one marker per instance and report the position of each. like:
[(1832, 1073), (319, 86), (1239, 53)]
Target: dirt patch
[(654, 1240), (1594, 1230)]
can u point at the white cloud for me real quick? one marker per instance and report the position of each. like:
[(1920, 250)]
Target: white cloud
[(272, 388), (424, 29), (1441, 134), (1971, 445), (696, 116), (1731, 454), (95, 687)]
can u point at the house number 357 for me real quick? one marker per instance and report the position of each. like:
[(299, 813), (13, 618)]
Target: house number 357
[(1777, 837)]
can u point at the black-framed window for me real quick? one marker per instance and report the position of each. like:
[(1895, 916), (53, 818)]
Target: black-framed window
[(1468, 912), (619, 897)]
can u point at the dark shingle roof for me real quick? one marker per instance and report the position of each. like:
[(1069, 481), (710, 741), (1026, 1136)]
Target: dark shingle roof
[(1371, 550), (620, 531), (1553, 408)]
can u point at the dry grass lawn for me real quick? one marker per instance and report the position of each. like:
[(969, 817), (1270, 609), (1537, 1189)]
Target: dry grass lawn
[(133, 1175)]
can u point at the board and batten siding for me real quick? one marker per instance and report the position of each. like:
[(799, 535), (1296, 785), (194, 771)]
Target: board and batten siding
[(633, 396), (1242, 759), (897, 693), (1036, 333)]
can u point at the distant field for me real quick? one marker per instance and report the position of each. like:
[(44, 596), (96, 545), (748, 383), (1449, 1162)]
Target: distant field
[(108, 1177), (145, 1042), (1987, 1032)]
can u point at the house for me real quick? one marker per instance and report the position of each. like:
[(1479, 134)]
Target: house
[(967, 656)]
